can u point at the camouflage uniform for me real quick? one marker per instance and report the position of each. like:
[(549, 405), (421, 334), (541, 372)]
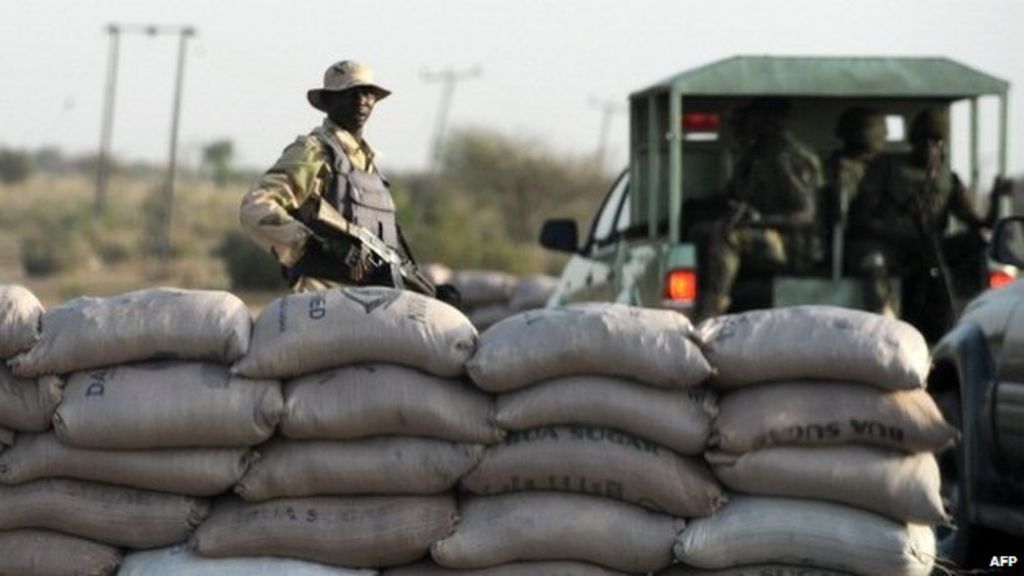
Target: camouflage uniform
[(303, 173), (776, 181)]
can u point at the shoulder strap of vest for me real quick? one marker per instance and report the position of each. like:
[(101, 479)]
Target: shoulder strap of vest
[(339, 159)]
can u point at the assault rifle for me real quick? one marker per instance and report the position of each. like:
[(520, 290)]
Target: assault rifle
[(364, 248)]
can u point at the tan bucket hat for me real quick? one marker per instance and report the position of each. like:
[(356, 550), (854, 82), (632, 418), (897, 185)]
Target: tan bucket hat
[(342, 76)]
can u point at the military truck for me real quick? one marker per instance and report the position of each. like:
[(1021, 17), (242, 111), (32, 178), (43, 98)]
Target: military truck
[(637, 251)]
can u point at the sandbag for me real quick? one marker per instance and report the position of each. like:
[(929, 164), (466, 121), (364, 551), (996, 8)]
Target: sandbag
[(532, 292), (291, 468), (6, 438), (487, 316), (313, 331), (183, 561), (381, 399), (525, 526), (27, 404), (762, 570), (20, 312), (652, 346), (109, 514), (677, 419), (902, 486), (513, 569), (482, 287), (829, 413), (44, 553), (158, 323), (598, 461), (166, 405), (193, 472), (806, 532), (814, 342), (360, 532)]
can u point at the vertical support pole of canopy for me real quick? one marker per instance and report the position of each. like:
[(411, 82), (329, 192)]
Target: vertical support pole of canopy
[(654, 135), (675, 164)]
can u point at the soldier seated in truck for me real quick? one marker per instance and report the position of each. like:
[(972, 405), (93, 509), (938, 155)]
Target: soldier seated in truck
[(770, 222)]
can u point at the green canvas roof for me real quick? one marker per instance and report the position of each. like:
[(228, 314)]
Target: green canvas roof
[(833, 77)]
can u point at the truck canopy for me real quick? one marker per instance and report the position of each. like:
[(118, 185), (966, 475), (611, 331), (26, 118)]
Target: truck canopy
[(845, 77)]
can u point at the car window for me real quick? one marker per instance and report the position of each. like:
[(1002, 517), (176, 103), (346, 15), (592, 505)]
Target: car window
[(624, 220), (605, 223)]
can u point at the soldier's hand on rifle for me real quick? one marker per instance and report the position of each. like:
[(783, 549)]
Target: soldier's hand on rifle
[(449, 294)]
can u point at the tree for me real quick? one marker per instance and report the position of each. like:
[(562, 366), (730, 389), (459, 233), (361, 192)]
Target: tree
[(217, 158), (15, 166)]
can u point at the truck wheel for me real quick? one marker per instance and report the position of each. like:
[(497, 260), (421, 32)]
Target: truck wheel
[(954, 541)]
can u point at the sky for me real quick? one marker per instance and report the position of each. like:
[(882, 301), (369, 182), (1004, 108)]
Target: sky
[(545, 65)]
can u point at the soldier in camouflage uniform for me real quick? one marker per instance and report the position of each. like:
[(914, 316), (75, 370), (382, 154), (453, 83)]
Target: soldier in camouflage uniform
[(333, 165), (898, 222), (864, 133), (772, 197)]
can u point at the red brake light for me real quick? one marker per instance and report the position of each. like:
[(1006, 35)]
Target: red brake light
[(999, 278), (701, 122), (681, 285)]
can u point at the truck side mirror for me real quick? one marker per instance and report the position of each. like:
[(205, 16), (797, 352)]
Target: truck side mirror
[(1008, 241), (559, 234)]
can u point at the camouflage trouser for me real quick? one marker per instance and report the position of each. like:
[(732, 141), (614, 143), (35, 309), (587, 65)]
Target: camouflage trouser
[(720, 254)]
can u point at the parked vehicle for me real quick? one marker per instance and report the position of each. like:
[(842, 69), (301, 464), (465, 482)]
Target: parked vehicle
[(978, 380), (637, 250)]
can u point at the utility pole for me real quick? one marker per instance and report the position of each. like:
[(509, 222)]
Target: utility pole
[(107, 126), (448, 79), (184, 34), (608, 108)]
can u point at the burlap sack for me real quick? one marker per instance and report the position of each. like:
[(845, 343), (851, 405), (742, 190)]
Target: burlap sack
[(380, 399), (598, 461), (524, 526), (20, 311), (382, 465), (652, 346), (762, 570), (167, 405), (814, 342), (159, 323), (109, 514), (360, 532), (193, 472), (43, 553), (532, 292), (902, 486), (677, 419), (482, 287), (829, 413), (27, 404), (305, 333), (806, 532), (514, 569), (487, 316), (183, 561)]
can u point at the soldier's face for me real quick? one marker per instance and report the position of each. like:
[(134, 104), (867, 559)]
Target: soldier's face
[(352, 108)]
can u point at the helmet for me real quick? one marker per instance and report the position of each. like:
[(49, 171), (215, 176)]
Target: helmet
[(929, 124)]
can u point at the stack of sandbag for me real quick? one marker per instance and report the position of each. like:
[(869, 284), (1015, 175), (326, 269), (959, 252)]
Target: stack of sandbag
[(532, 292), (378, 426), (150, 423), (601, 461), (182, 560), (825, 427)]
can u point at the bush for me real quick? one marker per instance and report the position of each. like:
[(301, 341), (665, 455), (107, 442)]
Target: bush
[(248, 266), (15, 166)]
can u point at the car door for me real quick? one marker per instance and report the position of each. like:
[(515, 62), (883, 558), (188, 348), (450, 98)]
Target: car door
[(591, 274)]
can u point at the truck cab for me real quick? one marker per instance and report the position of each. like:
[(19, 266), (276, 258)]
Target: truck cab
[(638, 250)]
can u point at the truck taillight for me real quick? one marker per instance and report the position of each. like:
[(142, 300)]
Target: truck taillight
[(681, 285), (1000, 278), (701, 122)]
